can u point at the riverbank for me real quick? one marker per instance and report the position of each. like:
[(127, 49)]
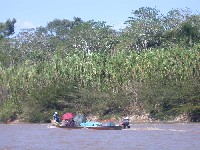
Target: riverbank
[(145, 119), (132, 118)]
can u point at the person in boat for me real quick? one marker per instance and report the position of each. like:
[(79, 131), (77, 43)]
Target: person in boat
[(55, 117), (72, 122), (69, 122), (125, 123)]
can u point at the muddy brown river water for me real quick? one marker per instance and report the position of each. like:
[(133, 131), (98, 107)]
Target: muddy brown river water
[(141, 136)]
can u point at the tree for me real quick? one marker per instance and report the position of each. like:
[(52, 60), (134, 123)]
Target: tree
[(181, 27), (6, 44), (144, 28), (7, 28), (35, 44), (189, 31), (91, 36), (60, 28)]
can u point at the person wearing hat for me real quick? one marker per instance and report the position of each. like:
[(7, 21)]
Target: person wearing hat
[(55, 117), (125, 122)]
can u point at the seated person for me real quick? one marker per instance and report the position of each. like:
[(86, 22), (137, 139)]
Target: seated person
[(55, 117), (70, 122)]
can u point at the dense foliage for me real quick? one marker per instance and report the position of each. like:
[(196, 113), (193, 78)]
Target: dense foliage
[(152, 66)]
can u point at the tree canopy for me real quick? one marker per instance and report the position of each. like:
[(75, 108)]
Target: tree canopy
[(7, 28)]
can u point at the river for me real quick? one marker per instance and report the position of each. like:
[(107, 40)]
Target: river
[(141, 136)]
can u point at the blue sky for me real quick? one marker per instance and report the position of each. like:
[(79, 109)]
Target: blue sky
[(34, 13)]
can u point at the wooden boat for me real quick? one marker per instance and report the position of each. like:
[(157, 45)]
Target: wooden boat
[(54, 123), (93, 128), (106, 128), (69, 127), (86, 127)]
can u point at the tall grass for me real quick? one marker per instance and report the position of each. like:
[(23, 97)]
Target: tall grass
[(111, 75)]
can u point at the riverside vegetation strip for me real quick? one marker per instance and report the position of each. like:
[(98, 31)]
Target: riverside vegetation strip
[(150, 84), (88, 68)]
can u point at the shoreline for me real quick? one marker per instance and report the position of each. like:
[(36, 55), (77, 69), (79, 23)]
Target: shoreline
[(104, 121), (132, 120)]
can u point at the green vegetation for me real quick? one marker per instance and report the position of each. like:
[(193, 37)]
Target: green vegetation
[(151, 66)]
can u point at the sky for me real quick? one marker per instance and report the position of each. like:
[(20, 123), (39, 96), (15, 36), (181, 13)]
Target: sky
[(35, 13)]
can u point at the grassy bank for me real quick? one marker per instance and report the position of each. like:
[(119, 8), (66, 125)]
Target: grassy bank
[(162, 82)]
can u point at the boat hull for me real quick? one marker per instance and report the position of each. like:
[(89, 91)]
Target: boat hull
[(106, 128), (93, 128)]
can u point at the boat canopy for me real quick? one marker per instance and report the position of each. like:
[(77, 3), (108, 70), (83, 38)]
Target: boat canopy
[(91, 124)]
